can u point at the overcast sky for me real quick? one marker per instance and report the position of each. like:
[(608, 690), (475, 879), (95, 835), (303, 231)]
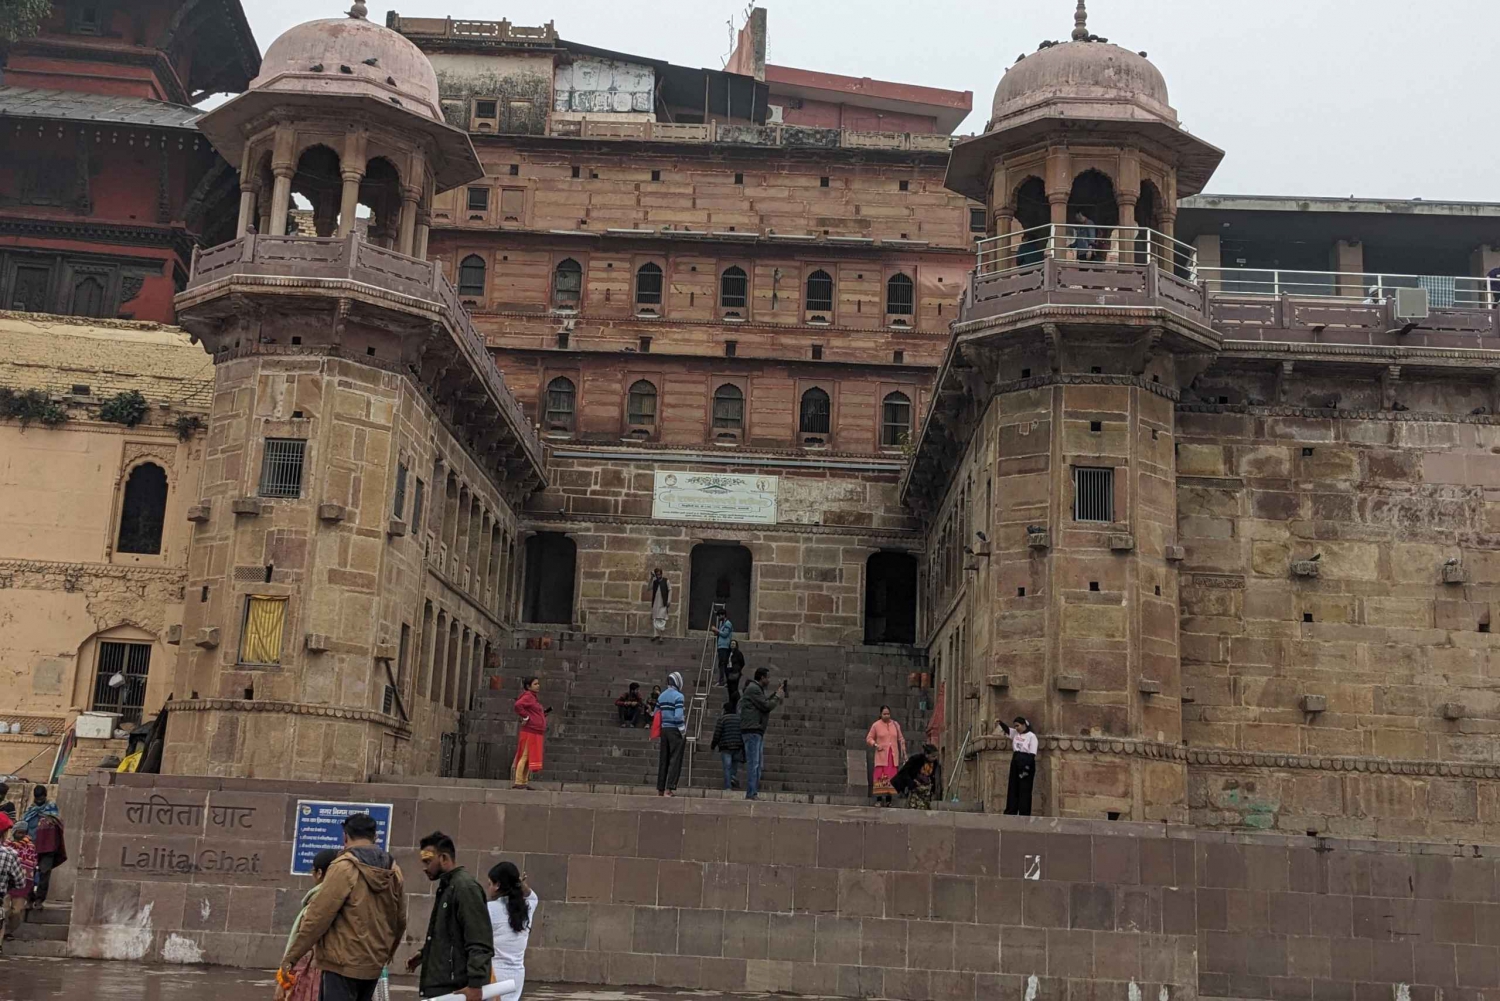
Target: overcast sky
[(1375, 98)]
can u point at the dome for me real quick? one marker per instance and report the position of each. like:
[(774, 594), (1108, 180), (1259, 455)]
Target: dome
[(1094, 74), (351, 56)]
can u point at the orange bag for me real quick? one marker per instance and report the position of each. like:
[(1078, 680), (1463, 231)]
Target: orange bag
[(656, 725)]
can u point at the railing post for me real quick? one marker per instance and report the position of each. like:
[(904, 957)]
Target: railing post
[(247, 251)]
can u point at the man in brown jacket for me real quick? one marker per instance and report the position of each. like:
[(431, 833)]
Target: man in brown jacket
[(357, 919)]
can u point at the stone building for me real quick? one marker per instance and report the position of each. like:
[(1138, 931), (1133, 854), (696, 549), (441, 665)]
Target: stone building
[(1225, 533)]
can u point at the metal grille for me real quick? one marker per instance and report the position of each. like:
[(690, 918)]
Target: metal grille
[(388, 704), (1093, 494), (643, 403), (895, 420), (281, 467), (648, 285), (729, 407), (820, 292), (732, 289), (132, 660), (471, 276), (399, 506), (899, 296), (816, 409), (250, 575)]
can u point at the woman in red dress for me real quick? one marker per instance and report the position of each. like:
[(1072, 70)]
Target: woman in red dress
[(531, 734)]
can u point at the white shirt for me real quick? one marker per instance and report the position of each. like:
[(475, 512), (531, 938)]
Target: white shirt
[(1025, 742), (510, 946)]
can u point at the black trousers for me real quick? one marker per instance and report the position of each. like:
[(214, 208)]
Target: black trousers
[(669, 760), (337, 987), (1018, 790), (45, 863), (723, 662), (629, 714)]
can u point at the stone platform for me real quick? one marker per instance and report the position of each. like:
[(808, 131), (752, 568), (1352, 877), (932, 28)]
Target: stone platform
[(725, 895)]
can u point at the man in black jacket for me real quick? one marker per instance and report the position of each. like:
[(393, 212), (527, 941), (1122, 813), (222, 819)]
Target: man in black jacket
[(455, 958), (756, 707), (728, 742)]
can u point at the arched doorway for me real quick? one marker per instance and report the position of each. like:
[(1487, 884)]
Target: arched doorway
[(891, 598), (1094, 213), (318, 180), (720, 575), (551, 561), (1032, 213)]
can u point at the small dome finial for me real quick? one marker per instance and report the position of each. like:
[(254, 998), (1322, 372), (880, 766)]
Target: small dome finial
[(360, 11), (1081, 23)]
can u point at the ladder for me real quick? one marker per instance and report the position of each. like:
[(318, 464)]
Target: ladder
[(702, 689)]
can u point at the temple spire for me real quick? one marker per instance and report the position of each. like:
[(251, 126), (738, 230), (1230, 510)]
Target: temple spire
[(359, 10), (1081, 23)]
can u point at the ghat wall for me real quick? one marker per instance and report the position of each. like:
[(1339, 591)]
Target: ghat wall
[(727, 895)]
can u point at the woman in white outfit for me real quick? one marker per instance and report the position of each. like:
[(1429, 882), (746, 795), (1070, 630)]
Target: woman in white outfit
[(512, 904)]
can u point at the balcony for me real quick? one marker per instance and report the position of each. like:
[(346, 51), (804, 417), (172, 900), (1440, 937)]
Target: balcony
[(1084, 266), (379, 278)]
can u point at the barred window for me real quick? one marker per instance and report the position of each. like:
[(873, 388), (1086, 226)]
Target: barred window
[(567, 284), (729, 408), (281, 467), (485, 109), (648, 285), (895, 419), (471, 276), (133, 660), (479, 199), (900, 296), (143, 511), (1093, 494), (642, 409), (264, 625), (820, 292), (560, 399), (733, 288), (816, 408), (977, 221)]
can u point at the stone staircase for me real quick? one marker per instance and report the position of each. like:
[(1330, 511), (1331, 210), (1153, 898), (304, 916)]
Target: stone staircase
[(836, 692), (44, 934)]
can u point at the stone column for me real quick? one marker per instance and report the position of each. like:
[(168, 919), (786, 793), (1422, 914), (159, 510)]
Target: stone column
[(1128, 248), (1346, 258), (1210, 257), (407, 238), (1059, 183), (283, 167), (352, 171), (247, 195)]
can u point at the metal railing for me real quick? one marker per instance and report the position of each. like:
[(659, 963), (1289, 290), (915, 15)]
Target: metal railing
[(1368, 288), (1085, 244)]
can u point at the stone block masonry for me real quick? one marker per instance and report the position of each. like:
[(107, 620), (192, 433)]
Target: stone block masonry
[(855, 902)]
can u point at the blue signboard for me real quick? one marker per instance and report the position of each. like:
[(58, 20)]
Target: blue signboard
[(321, 825)]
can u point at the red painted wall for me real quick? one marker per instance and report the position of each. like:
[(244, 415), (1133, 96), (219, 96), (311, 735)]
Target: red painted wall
[(826, 115)]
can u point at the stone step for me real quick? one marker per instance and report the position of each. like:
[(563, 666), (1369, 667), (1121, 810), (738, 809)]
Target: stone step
[(36, 949), (52, 914)]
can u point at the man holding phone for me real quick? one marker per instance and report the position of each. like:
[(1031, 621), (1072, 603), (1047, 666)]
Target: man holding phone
[(756, 707)]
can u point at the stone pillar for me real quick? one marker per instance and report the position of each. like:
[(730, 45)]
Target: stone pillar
[(1485, 259), (1127, 248), (247, 195), (1210, 257), (1346, 258), (411, 197), (352, 171), (283, 167)]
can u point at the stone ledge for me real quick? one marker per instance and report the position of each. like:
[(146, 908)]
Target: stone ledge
[(288, 709)]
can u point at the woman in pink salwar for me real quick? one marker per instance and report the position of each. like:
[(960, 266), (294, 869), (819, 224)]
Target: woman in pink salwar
[(890, 750)]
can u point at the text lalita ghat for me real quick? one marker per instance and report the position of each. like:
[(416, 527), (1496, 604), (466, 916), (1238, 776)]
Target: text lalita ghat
[(169, 860)]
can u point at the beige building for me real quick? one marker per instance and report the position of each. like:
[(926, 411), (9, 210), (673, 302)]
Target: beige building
[(94, 555)]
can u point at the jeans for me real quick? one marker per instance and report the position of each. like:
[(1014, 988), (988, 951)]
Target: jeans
[(629, 714), (730, 759), (723, 662), (45, 863), (755, 759)]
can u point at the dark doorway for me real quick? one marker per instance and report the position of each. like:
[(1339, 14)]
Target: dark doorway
[(1094, 195), (720, 575), (1032, 213), (891, 598), (551, 559)]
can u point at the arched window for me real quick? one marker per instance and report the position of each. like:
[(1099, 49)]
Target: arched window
[(733, 288), (642, 407), (560, 398), (729, 408), (648, 287), (567, 284), (816, 409), (471, 276), (144, 510), (900, 296), (895, 420), (819, 292)]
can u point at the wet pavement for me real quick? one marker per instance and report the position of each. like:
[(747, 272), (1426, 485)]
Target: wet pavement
[(29, 979)]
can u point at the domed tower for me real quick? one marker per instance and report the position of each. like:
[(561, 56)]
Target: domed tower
[(353, 548), (344, 113), (1045, 471)]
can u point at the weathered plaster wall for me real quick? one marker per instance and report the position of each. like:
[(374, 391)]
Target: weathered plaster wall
[(520, 83), (603, 86)]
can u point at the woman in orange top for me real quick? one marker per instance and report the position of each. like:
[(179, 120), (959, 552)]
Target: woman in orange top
[(890, 750)]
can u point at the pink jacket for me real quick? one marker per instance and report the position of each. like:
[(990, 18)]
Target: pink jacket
[(889, 743)]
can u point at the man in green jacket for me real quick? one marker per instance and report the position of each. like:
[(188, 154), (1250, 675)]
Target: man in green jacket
[(755, 711), (455, 958)]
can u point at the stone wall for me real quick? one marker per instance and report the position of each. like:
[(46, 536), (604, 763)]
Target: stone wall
[(727, 895), (808, 571), (369, 587), (1370, 675)]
